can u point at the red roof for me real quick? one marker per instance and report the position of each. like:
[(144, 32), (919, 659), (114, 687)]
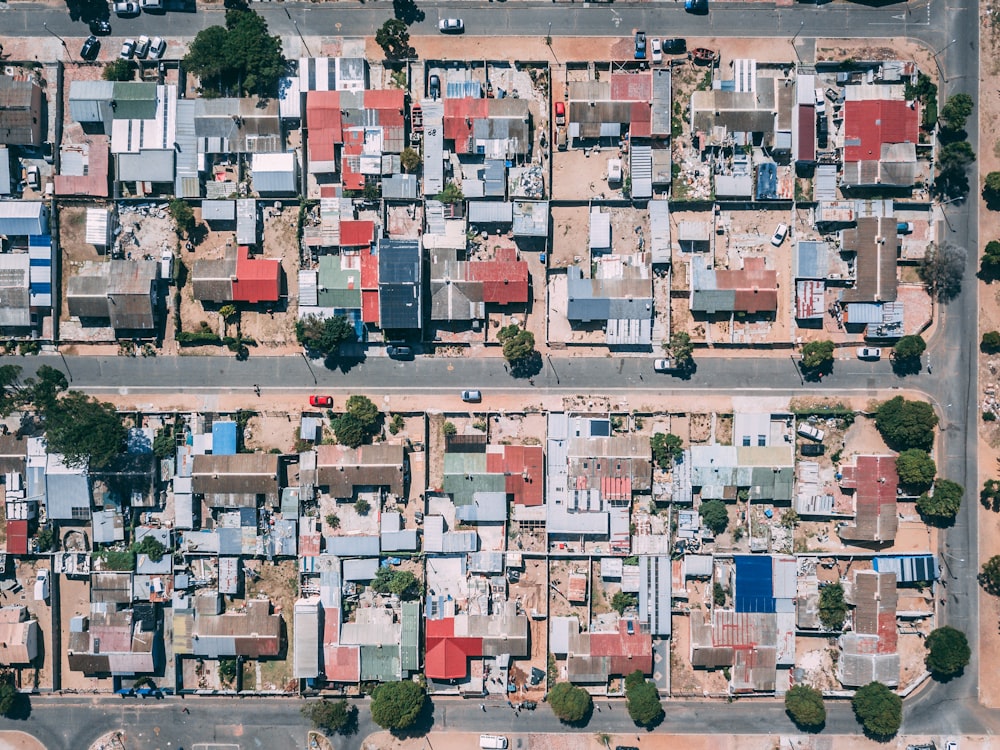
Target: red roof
[(870, 123), (807, 133), (356, 233), (257, 279), (369, 269), (627, 652), (459, 116), (388, 102), (370, 306), (523, 467), (17, 537), (640, 120), (632, 87), (756, 288), (351, 176), (504, 282), (323, 112), (447, 657), (342, 663), (309, 544), (616, 488), (874, 478)]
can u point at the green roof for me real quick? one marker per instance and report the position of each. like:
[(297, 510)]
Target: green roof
[(338, 287), (409, 649), (380, 663), (134, 100)]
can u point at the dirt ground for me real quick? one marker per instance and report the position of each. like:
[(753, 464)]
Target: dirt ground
[(559, 605), (38, 675), (280, 583), (74, 599)]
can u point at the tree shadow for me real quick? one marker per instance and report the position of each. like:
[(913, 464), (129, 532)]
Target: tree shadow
[(21, 710), (991, 199), (407, 11), (527, 367), (938, 522), (943, 677), (807, 728), (88, 10), (686, 371), (421, 725), (952, 185), (816, 374), (583, 720), (906, 366)]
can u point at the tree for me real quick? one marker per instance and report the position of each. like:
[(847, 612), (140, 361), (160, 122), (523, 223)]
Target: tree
[(362, 507), (990, 343), (642, 700), (916, 469), (9, 696), (410, 160), (942, 269), (832, 607), (150, 546), (452, 193), (46, 538), (948, 652), (570, 703), (348, 430), (448, 429), (324, 336), (804, 706), (955, 156), (119, 69), (359, 423), (989, 496), (989, 576), (332, 716), (43, 389), (817, 355), (991, 189), (940, 506), (183, 216), (989, 264), (518, 343), (622, 601), (240, 59), (680, 348), (909, 347), (228, 669), (402, 583), (714, 515), (906, 424), (394, 39), (87, 432), (879, 710), (956, 111), (396, 705), (666, 449), (719, 594), (365, 410)]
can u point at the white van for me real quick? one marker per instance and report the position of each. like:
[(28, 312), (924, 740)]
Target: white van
[(492, 742)]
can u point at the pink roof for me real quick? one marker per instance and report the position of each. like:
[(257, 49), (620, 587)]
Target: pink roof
[(342, 663), (870, 123), (522, 467), (257, 279), (628, 652), (616, 488), (632, 87), (807, 133), (356, 233), (386, 101)]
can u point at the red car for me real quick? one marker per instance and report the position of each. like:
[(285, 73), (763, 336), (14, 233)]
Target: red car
[(560, 113), (326, 401)]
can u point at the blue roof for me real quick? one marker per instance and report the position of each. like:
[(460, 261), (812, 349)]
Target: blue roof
[(767, 181), (754, 584), (224, 438), (908, 568)]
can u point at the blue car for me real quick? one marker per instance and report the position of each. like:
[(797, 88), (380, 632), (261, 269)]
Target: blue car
[(696, 6), (640, 45)]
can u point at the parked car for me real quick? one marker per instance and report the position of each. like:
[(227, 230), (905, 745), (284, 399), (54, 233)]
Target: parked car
[(472, 396), (100, 26), (90, 48), (142, 46), (156, 48), (869, 352), (904, 227), (665, 365), (529, 705), (779, 235), (820, 102), (640, 45), (34, 177), (397, 351), (128, 49), (560, 113), (451, 26), (675, 46), (321, 401), (152, 5), (42, 586), (126, 8), (813, 433), (656, 51), (822, 132), (434, 86), (699, 7)]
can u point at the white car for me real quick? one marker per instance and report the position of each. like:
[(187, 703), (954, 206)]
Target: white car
[(664, 365), (472, 396), (148, 5), (451, 26), (42, 586), (779, 235), (128, 49), (656, 50), (142, 46), (869, 352), (156, 48), (127, 8)]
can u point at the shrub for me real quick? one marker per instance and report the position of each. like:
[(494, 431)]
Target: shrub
[(832, 607), (804, 706), (714, 515)]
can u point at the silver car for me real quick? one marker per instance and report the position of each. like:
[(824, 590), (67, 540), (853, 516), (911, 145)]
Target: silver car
[(472, 396), (451, 26)]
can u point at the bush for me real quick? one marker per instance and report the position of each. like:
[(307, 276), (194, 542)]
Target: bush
[(916, 469), (119, 70), (804, 706), (989, 576), (151, 547), (906, 424), (570, 703), (402, 583), (183, 216), (989, 264), (879, 710), (948, 652), (714, 515), (832, 607), (990, 343), (396, 705), (332, 716), (622, 601), (817, 354), (116, 560), (719, 594), (940, 506), (989, 496), (642, 700), (9, 695), (518, 343), (333, 520), (362, 507), (666, 449), (228, 669)]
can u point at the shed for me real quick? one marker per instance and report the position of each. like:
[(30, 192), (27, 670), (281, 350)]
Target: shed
[(246, 221), (659, 231), (360, 570), (275, 174), (99, 226), (224, 438), (308, 619), (214, 211), (23, 218)]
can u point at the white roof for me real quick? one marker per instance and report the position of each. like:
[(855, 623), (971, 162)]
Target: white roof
[(98, 227), (600, 230)]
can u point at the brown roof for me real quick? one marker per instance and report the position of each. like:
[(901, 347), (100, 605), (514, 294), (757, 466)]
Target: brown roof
[(13, 453), (18, 636), (256, 631), (212, 279), (341, 469), (221, 478), (875, 242), (20, 112)]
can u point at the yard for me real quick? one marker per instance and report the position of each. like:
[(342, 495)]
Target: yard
[(280, 583)]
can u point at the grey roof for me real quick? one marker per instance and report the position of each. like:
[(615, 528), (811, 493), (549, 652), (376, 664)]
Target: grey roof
[(491, 212), (67, 497), (605, 299), (363, 569), (531, 218), (400, 187), (15, 306), (275, 174), (307, 627), (237, 125), (216, 210), (353, 546), (404, 540), (90, 101), (246, 221), (812, 259), (400, 284), (187, 183), (148, 165), (20, 111), (662, 115), (23, 218), (655, 596)]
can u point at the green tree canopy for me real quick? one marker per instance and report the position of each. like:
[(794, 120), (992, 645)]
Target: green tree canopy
[(332, 716), (150, 546), (989, 264), (991, 187), (804, 706), (183, 216), (86, 431), (817, 354), (9, 697), (666, 448), (956, 111), (452, 193), (955, 156), (940, 506), (349, 431), (622, 601), (989, 496), (324, 335), (990, 343), (119, 69), (832, 607), (365, 410), (879, 710), (916, 469), (240, 59), (906, 424), (642, 700), (394, 39), (518, 343), (942, 269), (714, 515), (410, 160), (909, 347), (989, 576), (359, 423), (680, 348), (948, 652), (402, 583), (396, 705), (570, 703), (44, 389)]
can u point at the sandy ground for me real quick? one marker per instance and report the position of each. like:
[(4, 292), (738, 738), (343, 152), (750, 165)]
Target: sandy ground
[(19, 741)]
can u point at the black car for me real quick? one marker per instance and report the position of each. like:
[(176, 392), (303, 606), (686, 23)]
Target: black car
[(90, 48), (822, 132), (434, 86), (675, 46), (399, 351), (100, 26)]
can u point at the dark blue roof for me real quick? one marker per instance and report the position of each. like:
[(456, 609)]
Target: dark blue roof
[(399, 262), (767, 181), (754, 584)]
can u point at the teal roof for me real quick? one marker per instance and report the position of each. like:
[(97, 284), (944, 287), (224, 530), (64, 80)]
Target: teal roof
[(463, 487), (464, 463), (338, 287), (409, 648), (380, 663), (134, 100)]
